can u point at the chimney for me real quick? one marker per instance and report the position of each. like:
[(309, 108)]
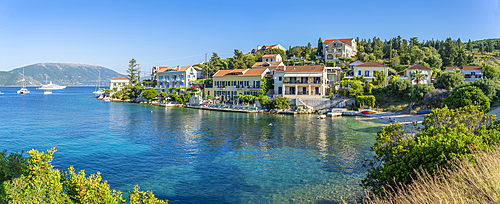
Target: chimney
[(178, 67)]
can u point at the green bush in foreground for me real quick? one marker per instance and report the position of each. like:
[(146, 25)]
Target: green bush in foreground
[(34, 180), (447, 135), (466, 96)]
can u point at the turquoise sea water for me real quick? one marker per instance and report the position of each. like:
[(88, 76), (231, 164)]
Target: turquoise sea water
[(189, 155)]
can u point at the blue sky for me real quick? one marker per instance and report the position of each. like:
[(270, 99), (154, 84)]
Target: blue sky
[(170, 33)]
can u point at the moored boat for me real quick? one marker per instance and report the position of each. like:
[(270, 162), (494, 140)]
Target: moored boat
[(46, 92), (322, 117), (23, 90), (422, 112), (368, 112)]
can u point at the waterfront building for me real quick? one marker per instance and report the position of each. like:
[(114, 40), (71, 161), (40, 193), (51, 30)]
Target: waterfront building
[(471, 73), (118, 82), (269, 61), (335, 48), (232, 82), (170, 79), (367, 70), (266, 47), (300, 81), (333, 75), (427, 72)]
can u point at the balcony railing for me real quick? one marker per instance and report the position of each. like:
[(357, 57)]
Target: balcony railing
[(312, 93), (302, 82)]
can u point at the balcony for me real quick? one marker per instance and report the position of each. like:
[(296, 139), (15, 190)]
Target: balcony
[(302, 93), (302, 82)]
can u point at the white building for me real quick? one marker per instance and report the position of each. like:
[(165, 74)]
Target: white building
[(427, 72), (300, 81), (471, 73), (335, 48), (170, 79), (118, 82)]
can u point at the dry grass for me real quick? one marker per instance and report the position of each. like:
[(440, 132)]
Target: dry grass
[(468, 182)]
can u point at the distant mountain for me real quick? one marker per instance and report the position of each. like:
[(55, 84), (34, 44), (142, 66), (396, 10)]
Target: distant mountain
[(73, 74)]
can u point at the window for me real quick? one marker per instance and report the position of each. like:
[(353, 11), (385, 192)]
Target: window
[(246, 83), (473, 73), (280, 78), (161, 78), (216, 83), (367, 73), (359, 72), (267, 60), (167, 77), (234, 83), (208, 92), (374, 73), (280, 90)]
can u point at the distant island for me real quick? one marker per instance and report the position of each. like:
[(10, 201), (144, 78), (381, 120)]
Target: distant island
[(68, 74)]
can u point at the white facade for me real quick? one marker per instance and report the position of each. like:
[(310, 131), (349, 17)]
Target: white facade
[(176, 77), (333, 49), (300, 81), (118, 82)]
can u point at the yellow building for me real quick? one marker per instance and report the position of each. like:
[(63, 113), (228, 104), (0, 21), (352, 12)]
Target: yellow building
[(368, 69), (229, 83)]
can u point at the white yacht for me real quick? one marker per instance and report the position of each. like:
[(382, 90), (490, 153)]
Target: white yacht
[(47, 92), (51, 86), (98, 90), (23, 90)]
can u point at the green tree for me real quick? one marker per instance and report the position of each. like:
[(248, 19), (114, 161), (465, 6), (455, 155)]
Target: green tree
[(418, 92), (447, 135), (380, 77), (401, 88), (132, 71), (491, 72), (319, 51), (469, 46), (469, 95), (417, 76), (433, 61), (280, 102), (150, 94), (449, 80)]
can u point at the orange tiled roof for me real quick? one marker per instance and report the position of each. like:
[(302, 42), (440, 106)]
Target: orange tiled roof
[(370, 64), (341, 40), (472, 67), (270, 55), (315, 68), (452, 68), (418, 66), (173, 69), (120, 78)]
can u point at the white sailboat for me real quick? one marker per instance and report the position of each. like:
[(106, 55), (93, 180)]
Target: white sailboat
[(51, 86), (23, 90), (98, 90)]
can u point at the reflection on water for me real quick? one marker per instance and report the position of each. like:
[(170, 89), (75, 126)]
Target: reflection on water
[(190, 155)]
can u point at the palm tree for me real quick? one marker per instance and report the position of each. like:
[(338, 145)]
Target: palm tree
[(417, 76), (380, 77)]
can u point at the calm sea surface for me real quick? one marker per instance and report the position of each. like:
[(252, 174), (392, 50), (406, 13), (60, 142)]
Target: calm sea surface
[(188, 155)]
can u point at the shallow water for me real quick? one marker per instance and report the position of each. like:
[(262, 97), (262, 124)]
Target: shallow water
[(190, 155)]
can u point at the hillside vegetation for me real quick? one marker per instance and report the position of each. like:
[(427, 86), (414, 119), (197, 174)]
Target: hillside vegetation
[(76, 74)]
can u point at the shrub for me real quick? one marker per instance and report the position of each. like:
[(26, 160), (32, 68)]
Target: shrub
[(279, 102), (435, 98), (447, 134), (150, 94), (469, 95), (118, 94), (449, 80), (366, 100), (400, 88), (264, 100), (418, 92), (464, 181), (491, 72), (489, 87), (40, 182)]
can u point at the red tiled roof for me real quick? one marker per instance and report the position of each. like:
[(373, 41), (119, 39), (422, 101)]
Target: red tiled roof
[(472, 67), (370, 64), (341, 40), (418, 66), (120, 78), (173, 69), (315, 68)]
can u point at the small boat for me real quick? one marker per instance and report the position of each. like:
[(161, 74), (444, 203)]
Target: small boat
[(23, 90), (98, 90), (422, 112), (322, 117), (46, 92), (368, 112)]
